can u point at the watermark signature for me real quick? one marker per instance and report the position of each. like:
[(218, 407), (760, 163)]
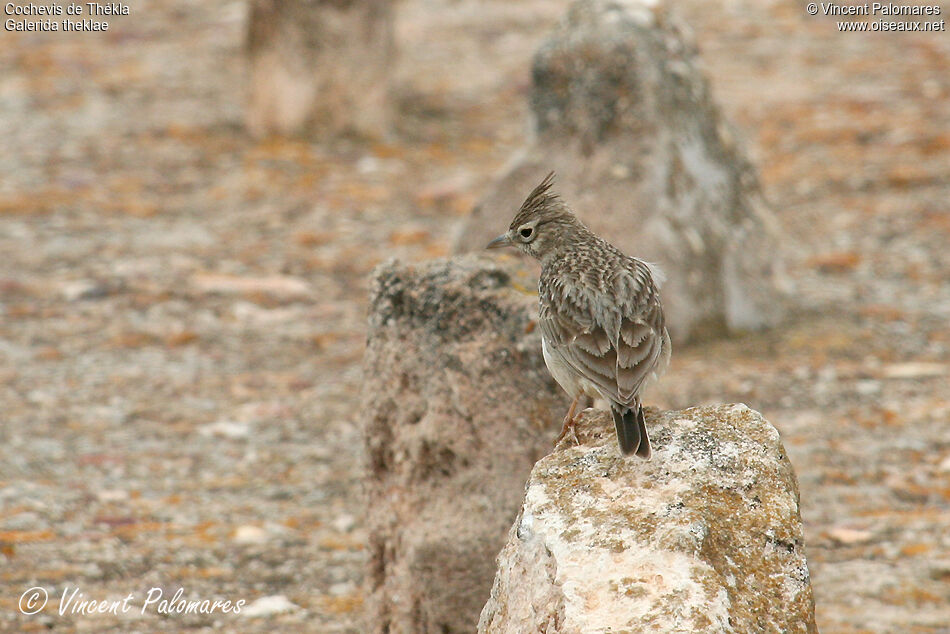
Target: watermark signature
[(73, 601), (33, 600), (879, 16)]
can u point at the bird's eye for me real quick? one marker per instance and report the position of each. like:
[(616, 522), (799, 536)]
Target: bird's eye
[(526, 232)]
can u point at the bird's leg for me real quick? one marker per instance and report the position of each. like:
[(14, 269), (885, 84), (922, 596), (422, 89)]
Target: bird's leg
[(568, 425)]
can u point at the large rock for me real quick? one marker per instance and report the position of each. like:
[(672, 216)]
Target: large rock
[(319, 67), (458, 407), (624, 115), (706, 537)]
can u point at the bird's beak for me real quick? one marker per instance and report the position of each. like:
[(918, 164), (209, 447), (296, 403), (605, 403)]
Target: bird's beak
[(501, 241)]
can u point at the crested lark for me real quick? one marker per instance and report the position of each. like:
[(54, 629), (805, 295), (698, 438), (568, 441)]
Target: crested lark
[(601, 320)]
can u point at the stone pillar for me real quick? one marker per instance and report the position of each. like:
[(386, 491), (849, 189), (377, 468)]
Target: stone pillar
[(624, 115), (457, 408), (319, 67)]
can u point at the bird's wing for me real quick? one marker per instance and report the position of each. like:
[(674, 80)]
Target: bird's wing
[(617, 343)]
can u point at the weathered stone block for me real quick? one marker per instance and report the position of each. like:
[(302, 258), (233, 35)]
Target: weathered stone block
[(458, 407), (706, 537)]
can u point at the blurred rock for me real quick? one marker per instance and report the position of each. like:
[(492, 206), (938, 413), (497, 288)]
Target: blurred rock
[(849, 536), (26, 521), (226, 429), (266, 606), (248, 534), (343, 523), (77, 290), (914, 370), (280, 286), (319, 66), (456, 402), (112, 495), (706, 537), (625, 117)]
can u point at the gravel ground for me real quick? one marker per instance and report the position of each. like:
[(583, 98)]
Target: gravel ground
[(183, 308)]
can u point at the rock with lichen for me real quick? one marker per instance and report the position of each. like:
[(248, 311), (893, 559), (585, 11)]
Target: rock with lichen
[(624, 114), (458, 406), (706, 537)]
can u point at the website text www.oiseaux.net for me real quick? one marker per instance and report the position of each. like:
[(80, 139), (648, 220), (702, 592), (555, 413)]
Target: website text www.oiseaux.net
[(883, 16)]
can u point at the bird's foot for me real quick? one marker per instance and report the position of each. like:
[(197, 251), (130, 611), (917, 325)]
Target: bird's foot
[(569, 429), (569, 426)]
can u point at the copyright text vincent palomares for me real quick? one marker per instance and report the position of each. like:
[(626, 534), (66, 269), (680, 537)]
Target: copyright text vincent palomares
[(74, 601), (881, 16)]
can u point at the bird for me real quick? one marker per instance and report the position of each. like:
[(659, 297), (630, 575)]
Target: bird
[(603, 331)]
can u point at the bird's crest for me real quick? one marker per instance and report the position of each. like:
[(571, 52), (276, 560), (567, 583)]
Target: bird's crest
[(539, 198)]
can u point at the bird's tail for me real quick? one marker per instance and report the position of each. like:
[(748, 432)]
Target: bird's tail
[(631, 430)]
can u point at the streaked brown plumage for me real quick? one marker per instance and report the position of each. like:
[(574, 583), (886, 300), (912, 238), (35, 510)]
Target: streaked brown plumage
[(602, 327)]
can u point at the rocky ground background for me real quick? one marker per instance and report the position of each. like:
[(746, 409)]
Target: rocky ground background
[(184, 308)]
